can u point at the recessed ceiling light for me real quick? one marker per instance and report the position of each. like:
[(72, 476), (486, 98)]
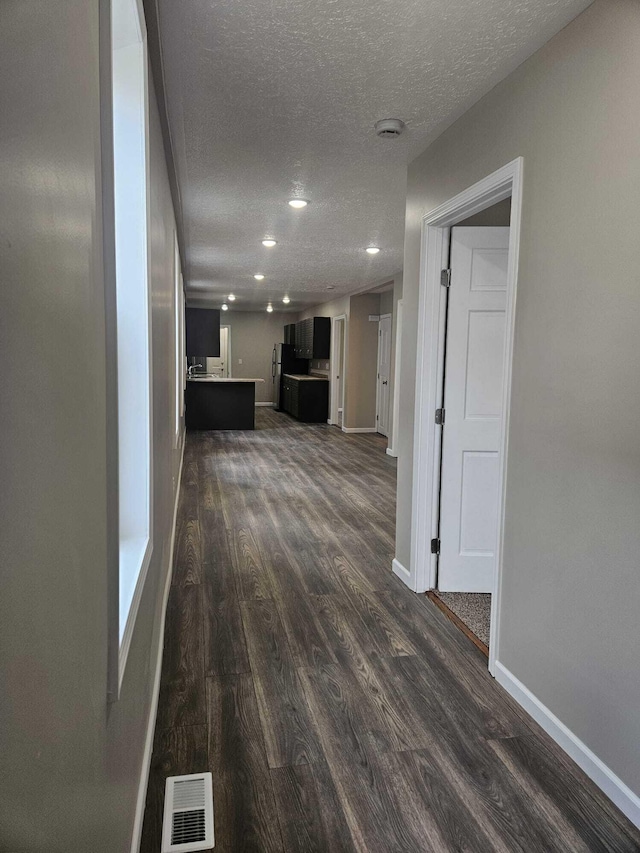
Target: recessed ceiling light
[(269, 308), (269, 243), (298, 203), (373, 250), (286, 300), (331, 287), (225, 307), (231, 298), (258, 276)]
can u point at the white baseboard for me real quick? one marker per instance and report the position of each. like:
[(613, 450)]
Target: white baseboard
[(401, 572), (359, 429), (619, 793), (392, 452), (264, 404), (155, 692)]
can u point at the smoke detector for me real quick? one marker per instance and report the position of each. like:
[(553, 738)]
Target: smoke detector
[(389, 128)]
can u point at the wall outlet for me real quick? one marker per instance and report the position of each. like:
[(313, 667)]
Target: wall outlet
[(239, 361)]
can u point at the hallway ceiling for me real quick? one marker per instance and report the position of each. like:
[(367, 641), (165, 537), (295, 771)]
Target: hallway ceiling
[(270, 100)]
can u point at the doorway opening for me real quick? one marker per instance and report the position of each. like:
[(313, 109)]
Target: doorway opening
[(383, 396), (221, 365), (473, 365), (465, 346), (338, 365)]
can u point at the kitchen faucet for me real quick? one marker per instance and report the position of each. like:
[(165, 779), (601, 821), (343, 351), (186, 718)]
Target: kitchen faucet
[(191, 368)]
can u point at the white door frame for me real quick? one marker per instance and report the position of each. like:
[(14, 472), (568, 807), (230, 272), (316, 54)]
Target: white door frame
[(503, 183), (335, 355), (392, 450), (381, 317)]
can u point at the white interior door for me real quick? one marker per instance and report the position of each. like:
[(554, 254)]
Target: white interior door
[(473, 409), (220, 366), (384, 372)]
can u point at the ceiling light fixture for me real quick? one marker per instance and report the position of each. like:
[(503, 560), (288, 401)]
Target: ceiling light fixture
[(258, 276), (231, 298), (225, 307), (269, 243), (372, 250), (286, 300), (298, 203), (269, 308)]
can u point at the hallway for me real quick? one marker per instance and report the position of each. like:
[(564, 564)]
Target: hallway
[(337, 710)]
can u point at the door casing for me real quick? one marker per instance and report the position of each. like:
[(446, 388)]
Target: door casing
[(338, 339), (504, 183), (388, 317)]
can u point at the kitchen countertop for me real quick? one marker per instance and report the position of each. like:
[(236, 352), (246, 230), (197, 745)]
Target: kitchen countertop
[(219, 379), (301, 376)]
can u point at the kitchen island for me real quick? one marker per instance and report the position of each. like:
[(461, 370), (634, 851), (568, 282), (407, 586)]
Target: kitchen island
[(212, 402)]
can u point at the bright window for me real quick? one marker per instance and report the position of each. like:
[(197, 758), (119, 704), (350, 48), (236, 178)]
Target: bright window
[(129, 83)]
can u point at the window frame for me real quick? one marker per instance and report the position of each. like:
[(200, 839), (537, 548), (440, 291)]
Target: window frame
[(120, 635)]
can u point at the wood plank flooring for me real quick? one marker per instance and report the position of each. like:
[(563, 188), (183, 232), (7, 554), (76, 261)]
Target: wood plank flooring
[(337, 710)]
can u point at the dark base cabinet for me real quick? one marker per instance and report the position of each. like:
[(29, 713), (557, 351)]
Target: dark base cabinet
[(306, 399), (220, 405)]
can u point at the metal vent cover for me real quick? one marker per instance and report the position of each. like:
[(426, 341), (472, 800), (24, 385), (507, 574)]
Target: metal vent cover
[(188, 814)]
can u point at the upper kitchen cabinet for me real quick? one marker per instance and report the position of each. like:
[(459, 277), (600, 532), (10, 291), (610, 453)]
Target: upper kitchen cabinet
[(313, 337), (203, 332), (290, 333)]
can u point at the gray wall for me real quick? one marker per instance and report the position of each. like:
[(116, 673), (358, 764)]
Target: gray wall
[(362, 362), (253, 335), (70, 762), (386, 302), (570, 626), (334, 308)]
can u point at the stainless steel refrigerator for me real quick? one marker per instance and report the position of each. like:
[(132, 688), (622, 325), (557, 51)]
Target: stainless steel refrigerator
[(284, 361)]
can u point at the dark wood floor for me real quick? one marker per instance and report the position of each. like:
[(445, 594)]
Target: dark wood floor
[(337, 710)]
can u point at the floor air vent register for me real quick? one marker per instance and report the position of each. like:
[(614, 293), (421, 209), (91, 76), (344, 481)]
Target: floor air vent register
[(188, 814)]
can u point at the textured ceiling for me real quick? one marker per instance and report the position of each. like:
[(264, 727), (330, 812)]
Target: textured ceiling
[(268, 99)]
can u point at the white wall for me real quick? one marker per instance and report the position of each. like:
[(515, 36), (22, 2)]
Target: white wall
[(570, 626)]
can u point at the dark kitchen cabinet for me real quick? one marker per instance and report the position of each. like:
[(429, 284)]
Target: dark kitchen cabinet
[(202, 332), (313, 338), (290, 333), (306, 399)]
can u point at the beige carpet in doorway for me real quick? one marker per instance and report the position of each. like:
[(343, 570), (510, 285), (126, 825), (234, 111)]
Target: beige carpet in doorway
[(473, 608)]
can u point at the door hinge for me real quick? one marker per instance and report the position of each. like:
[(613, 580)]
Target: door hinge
[(445, 278), (435, 546), (440, 416)]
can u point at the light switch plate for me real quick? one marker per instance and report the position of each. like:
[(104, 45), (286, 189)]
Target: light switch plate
[(239, 361)]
